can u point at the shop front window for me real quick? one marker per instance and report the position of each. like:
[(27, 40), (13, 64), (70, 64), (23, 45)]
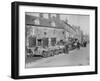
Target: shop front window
[(32, 41), (39, 42), (53, 41)]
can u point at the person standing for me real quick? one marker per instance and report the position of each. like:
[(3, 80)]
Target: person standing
[(66, 48), (78, 45)]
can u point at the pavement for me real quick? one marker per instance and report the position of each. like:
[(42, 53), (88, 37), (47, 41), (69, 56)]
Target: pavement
[(74, 58)]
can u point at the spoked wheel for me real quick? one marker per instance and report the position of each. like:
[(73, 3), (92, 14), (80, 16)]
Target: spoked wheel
[(56, 52), (44, 54), (52, 53)]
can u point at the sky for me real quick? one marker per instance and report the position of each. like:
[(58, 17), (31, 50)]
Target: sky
[(73, 19), (78, 20)]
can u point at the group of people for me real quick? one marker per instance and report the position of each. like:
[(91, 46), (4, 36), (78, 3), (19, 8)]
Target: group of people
[(74, 44), (66, 46)]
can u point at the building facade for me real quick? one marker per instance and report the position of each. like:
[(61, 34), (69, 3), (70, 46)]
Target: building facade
[(48, 31)]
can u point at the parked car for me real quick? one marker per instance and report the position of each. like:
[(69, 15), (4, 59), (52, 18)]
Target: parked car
[(29, 52), (84, 43)]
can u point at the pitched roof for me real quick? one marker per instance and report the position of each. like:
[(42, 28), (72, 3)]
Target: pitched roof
[(60, 24), (29, 19)]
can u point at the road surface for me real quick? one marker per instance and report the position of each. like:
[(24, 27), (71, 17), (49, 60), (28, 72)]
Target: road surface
[(74, 58)]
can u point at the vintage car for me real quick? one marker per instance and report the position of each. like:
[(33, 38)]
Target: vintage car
[(40, 51), (29, 52), (48, 51), (84, 43)]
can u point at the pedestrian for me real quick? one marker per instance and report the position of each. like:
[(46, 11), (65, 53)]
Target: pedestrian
[(85, 43), (66, 48), (78, 45)]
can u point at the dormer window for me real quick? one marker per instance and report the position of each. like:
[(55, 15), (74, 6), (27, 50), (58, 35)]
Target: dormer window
[(37, 22), (53, 24)]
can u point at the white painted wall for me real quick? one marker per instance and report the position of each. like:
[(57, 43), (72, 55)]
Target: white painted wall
[(5, 40)]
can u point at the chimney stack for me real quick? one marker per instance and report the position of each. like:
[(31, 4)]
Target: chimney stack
[(58, 16), (49, 16), (41, 14)]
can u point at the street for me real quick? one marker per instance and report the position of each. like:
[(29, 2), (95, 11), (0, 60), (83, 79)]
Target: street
[(77, 57)]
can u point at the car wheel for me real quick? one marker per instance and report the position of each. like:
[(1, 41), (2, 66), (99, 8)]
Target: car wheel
[(44, 54)]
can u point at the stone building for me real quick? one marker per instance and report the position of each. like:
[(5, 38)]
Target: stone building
[(47, 31)]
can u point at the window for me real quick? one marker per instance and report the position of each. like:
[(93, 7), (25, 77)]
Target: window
[(32, 41), (37, 22), (53, 41), (39, 42), (45, 42), (53, 24)]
